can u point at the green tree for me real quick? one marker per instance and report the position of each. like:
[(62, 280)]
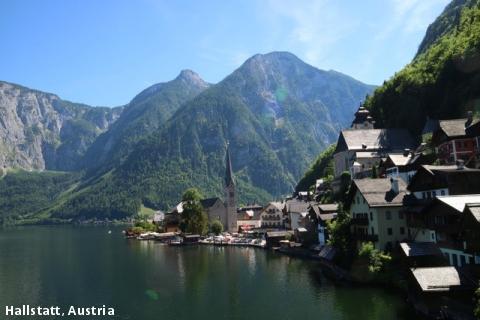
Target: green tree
[(194, 218), (192, 195), (216, 227), (376, 259), (339, 232)]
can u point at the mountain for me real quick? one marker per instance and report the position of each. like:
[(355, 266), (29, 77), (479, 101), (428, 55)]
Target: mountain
[(145, 114), (448, 20), (277, 113), (442, 81), (39, 130)]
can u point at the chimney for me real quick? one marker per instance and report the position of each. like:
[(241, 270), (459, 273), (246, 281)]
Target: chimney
[(469, 119), (406, 152), (460, 164), (394, 182)]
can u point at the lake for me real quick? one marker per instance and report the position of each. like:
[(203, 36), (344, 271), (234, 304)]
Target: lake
[(85, 266)]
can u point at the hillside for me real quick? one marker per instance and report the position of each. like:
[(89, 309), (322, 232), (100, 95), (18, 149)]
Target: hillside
[(146, 113), (443, 81), (276, 111), (39, 130)]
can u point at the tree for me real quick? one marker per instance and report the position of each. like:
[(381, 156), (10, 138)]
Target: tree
[(339, 231), (376, 259), (216, 226), (194, 219), (192, 195)]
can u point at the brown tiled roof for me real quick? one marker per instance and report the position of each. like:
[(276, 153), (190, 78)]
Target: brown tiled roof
[(453, 128), (437, 278), (328, 207), (375, 139), (295, 205), (379, 193), (327, 216)]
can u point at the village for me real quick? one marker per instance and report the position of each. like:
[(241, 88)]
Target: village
[(406, 211)]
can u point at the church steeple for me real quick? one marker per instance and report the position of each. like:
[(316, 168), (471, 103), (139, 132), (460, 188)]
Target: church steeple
[(230, 194), (228, 172)]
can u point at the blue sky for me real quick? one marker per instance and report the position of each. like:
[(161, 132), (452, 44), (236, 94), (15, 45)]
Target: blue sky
[(103, 52)]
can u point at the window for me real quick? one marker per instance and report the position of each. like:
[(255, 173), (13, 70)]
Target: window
[(388, 215), (389, 231), (402, 230), (400, 215), (371, 216), (373, 231), (442, 192), (433, 236), (434, 193)]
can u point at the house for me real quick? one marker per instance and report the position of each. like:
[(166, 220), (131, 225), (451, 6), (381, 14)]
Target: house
[(273, 238), (272, 215), (358, 150), (443, 220), (473, 131), (172, 218), (470, 228), (248, 217), (404, 165), (422, 254), (452, 142), (158, 217), (295, 210), (216, 210), (431, 181), (439, 292), (375, 206), (316, 222)]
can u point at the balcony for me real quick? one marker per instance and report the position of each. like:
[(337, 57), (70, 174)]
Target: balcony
[(360, 221)]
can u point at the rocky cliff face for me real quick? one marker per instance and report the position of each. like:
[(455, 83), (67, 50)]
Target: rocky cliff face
[(39, 130)]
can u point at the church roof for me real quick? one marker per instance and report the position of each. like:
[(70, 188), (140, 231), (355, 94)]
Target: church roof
[(208, 203)]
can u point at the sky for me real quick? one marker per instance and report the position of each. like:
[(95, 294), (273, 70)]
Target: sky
[(104, 52)]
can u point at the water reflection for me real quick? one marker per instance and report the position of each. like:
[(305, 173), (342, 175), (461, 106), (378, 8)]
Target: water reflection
[(147, 280)]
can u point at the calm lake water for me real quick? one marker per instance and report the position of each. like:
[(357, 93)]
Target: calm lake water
[(84, 266)]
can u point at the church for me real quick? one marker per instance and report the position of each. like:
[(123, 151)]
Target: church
[(225, 211)]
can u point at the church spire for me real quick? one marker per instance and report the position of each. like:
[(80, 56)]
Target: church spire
[(228, 172)]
